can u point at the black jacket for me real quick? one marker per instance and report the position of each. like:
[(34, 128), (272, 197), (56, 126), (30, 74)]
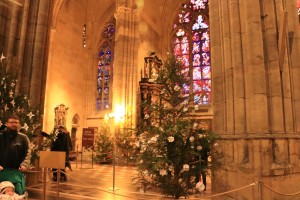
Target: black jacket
[(61, 143), (14, 150)]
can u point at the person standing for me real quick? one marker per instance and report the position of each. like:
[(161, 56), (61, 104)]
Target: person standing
[(15, 154), (61, 143)]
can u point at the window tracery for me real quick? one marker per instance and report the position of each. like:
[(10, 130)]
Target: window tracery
[(191, 47), (105, 65)]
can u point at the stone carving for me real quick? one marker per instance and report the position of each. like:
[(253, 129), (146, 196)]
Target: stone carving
[(60, 115)]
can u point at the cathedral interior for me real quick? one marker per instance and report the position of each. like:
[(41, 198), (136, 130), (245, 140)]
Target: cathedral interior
[(81, 60)]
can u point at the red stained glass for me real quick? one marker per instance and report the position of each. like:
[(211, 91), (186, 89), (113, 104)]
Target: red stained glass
[(206, 74), (196, 47), (185, 61), (177, 50), (205, 59), (197, 73), (196, 36), (185, 48), (193, 17), (185, 72), (199, 4), (196, 60), (205, 46)]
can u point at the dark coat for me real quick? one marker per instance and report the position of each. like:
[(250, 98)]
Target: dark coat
[(61, 143), (14, 150)]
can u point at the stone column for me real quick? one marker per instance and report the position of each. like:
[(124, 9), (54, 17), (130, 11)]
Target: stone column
[(253, 57), (22, 42), (125, 69), (217, 63), (39, 64), (256, 104), (12, 38)]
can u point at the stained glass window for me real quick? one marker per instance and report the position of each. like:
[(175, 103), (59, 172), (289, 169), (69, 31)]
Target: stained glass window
[(190, 44), (104, 70), (298, 9)]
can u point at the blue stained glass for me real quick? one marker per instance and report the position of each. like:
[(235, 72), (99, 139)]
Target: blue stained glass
[(98, 103), (106, 103), (106, 71), (197, 99), (104, 66), (186, 88)]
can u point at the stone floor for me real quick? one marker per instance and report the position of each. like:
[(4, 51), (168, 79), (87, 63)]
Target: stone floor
[(96, 182)]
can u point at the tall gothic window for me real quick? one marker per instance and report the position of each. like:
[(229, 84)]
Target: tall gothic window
[(298, 5), (105, 65), (190, 44)]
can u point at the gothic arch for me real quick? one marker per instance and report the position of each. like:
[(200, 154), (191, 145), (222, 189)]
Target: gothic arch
[(75, 121), (56, 9), (75, 126)]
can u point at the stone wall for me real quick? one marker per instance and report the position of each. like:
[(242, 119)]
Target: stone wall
[(256, 102)]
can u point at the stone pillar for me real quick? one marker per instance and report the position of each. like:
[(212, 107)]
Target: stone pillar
[(125, 69), (12, 38), (256, 104), (39, 64), (22, 42)]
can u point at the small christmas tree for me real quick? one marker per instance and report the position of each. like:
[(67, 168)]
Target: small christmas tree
[(103, 146), (126, 144), (171, 140), (12, 102)]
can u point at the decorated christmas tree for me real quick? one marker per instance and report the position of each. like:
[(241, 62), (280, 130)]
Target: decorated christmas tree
[(103, 146), (174, 149), (126, 145), (13, 102)]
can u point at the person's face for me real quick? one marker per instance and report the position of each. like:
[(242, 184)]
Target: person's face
[(9, 191), (13, 124)]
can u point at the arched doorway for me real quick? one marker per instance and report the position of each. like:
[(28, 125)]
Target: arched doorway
[(75, 125)]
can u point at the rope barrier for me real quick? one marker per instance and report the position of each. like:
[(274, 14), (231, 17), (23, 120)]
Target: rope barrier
[(230, 191), (204, 197), (285, 194)]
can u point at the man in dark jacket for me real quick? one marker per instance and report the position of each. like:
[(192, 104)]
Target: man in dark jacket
[(15, 152), (61, 143)]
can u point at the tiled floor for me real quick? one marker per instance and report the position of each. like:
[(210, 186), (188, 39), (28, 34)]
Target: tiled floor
[(85, 182)]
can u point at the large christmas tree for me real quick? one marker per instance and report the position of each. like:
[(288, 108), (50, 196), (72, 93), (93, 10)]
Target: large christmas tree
[(171, 140), (13, 102)]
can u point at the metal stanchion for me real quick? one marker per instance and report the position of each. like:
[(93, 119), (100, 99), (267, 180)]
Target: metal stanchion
[(45, 173), (92, 157), (76, 155), (114, 188), (57, 182), (114, 164)]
